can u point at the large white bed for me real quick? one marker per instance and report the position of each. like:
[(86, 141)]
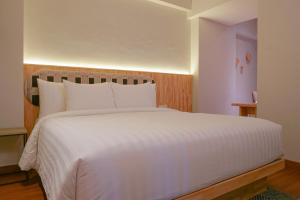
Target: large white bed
[(144, 153)]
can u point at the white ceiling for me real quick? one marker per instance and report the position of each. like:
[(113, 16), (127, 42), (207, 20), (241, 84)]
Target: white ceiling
[(228, 12), (184, 5), (231, 12)]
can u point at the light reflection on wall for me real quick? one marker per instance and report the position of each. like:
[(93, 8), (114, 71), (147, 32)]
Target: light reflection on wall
[(116, 67)]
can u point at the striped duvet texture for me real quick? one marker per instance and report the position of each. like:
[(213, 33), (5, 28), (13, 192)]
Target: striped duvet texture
[(145, 153)]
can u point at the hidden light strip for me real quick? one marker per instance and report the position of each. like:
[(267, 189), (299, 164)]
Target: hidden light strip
[(111, 67)]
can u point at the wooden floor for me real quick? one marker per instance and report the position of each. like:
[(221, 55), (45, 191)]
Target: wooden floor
[(287, 181)]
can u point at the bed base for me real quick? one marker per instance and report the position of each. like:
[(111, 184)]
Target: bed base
[(242, 187)]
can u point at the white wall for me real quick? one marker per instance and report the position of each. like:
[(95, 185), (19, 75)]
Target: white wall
[(215, 85), (217, 81), (139, 34), (11, 76), (195, 38), (246, 73), (278, 69)]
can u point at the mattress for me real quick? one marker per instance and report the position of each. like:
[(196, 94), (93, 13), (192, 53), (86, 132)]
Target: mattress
[(144, 153)]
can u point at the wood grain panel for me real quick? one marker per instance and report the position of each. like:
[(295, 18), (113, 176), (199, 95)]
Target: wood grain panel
[(288, 180), (236, 183), (173, 90)]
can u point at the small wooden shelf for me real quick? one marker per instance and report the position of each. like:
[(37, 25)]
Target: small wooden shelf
[(12, 131), (12, 174), (246, 109)]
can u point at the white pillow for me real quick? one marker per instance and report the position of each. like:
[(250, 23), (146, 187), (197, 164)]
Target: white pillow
[(52, 99), (132, 96), (88, 96)]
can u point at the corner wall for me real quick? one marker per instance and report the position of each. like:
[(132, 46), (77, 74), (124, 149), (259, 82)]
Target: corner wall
[(217, 80), (215, 85), (11, 77), (279, 70)]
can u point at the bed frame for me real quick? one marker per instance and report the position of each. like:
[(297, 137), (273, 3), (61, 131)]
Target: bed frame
[(242, 187), (174, 91)]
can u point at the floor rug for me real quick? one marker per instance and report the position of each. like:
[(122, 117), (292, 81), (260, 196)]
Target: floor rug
[(273, 194)]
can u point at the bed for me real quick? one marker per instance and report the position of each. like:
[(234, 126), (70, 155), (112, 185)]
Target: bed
[(149, 153)]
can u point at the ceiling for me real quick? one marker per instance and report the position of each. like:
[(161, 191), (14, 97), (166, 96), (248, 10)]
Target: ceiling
[(232, 12), (228, 12), (184, 5)]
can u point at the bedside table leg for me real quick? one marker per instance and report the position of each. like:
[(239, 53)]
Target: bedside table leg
[(26, 172), (24, 139), (26, 176)]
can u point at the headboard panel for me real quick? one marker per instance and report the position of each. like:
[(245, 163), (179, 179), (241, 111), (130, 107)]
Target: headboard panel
[(31, 83), (172, 90)]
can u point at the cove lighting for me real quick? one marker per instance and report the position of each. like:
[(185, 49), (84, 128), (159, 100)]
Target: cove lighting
[(171, 5), (112, 67)]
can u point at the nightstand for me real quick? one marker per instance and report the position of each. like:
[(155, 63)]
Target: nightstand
[(246, 109), (9, 132), (12, 174)]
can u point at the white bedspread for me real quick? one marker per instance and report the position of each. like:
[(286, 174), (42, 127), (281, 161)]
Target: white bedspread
[(141, 154)]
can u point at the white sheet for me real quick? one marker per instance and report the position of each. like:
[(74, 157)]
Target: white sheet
[(144, 154)]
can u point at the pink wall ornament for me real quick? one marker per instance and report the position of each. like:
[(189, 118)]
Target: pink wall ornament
[(248, 57), (241, 69), (237, 62)]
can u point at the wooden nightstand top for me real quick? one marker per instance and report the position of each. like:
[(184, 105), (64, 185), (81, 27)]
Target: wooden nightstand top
[(249, 105), (12, 131)]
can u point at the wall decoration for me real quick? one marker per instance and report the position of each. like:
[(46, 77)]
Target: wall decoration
[(237, 62), (239, 66), (248, 57), (241, 69)]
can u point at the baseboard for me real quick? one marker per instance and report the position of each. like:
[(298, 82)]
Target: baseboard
[(13, 178), (9, 169), (290, 163), (12, 174)]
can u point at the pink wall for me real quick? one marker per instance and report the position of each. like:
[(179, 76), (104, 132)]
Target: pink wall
[(246, 73), (218, 81), (215, 90)]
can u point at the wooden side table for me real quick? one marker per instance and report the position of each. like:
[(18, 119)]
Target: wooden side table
[(10, 170), (246, 109), (8, 132)]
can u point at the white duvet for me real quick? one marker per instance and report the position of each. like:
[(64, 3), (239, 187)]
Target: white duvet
[(141, 154)]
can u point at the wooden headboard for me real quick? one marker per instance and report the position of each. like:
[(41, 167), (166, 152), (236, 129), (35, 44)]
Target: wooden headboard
[(32, 90), (173, 90)]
